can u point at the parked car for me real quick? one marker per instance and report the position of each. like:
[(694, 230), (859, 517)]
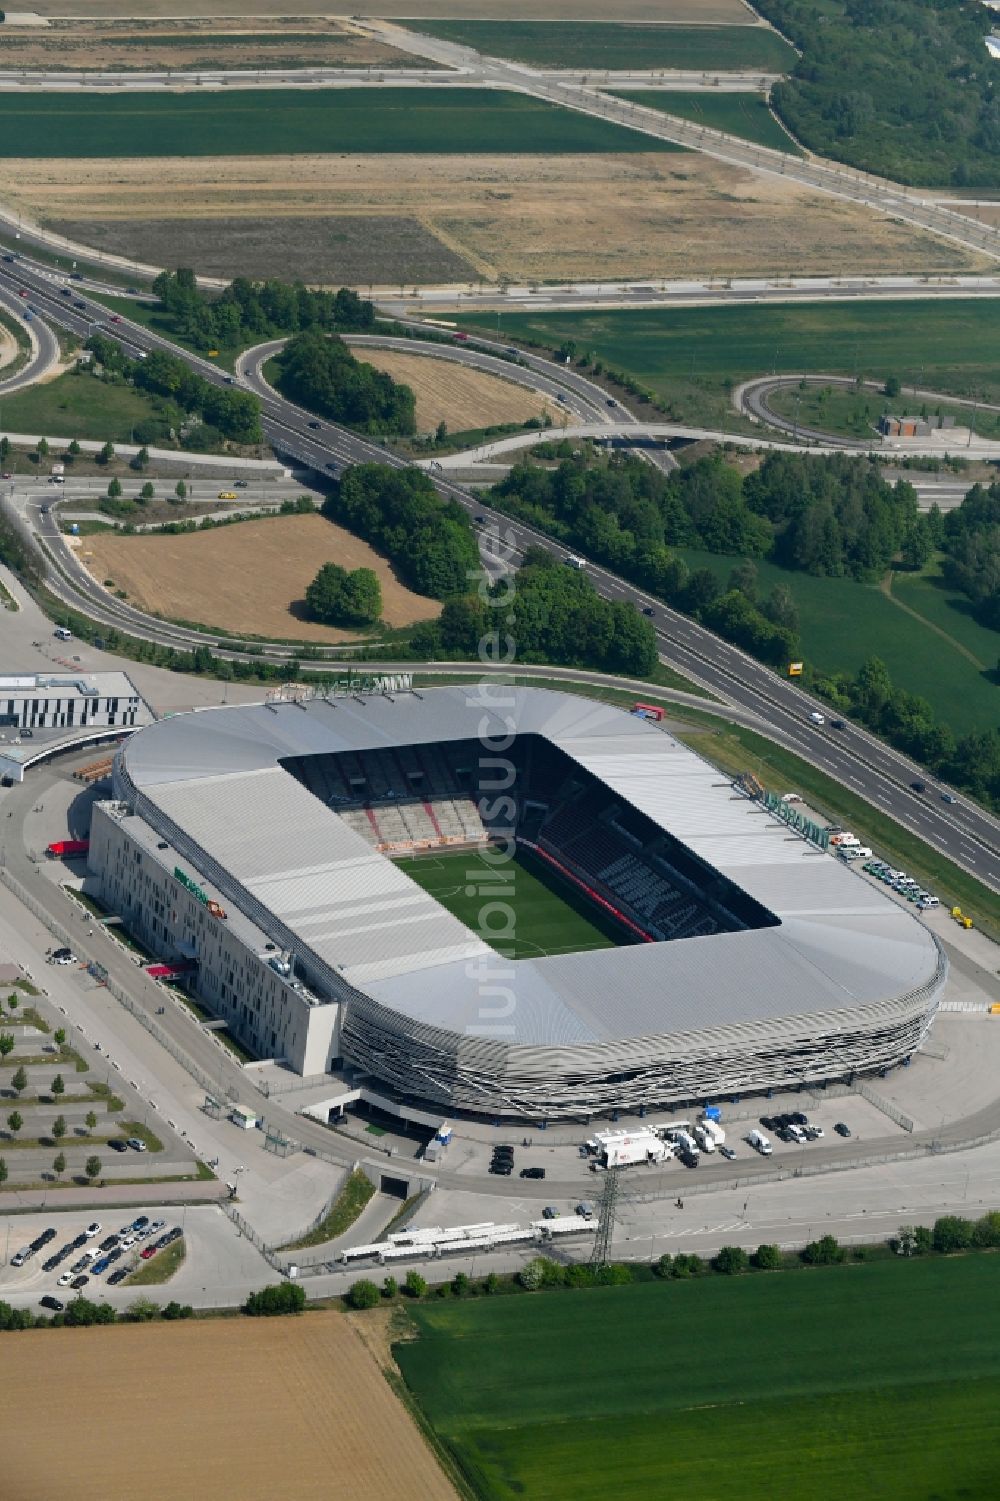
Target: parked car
[(157, 1225), (148, 1251), (20, 1257), (550, 1212), (118, 1276), (79, 1282), (80, 1240), (50, 1302), (728, 1153), (65, 1279), (136, 1145), (841, 1129), (532, 1172), (502, 1168), (117, 1145), (43, 1239), (92, 1229), (137, 1224), (100, 1266)]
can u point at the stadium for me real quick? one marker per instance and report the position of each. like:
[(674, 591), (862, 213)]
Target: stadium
[(505, 902)]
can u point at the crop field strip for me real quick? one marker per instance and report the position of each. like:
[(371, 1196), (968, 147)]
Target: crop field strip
[(278, 121), (612, 45), (744, 115), (777, 1384), (549, 917), (464, 399), (691, 356)]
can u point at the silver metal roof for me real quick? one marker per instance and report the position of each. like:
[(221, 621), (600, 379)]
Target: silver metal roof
[(840, 942)]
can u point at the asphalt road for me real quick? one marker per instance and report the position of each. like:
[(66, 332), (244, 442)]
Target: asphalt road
[(752, 398), (964, 832), (44, 345)]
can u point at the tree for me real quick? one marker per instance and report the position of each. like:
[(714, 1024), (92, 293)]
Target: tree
[(59, 1127), (744, 578), (460, 1284), (826, 1251), (142, 1311), (148, 491), (58, 1086), (491, 1284), (390, 1287), (92, 1167), (74, 449), (363, 1294), (59, 1164), (767, 1258), (892, 387), (729, 1260), (59, 1036), (12, 1001), (986, 1231), (414, 1286), (15, 1121), (531, 1275), (115, 489), (6, 1043), (337, 597), (180, 490), (141, 458), (952, 1233), (42, 448), (91, 1121), (3, 1170), (687, 1265), (175, 1310), (4, 447), (106, 454), (664, 1266), (284, 1297), (20, 1080)]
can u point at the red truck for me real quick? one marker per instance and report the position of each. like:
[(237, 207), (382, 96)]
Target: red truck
[(64, 849)]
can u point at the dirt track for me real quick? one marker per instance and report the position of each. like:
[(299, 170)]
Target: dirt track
[(215, 1410), (250, 577)]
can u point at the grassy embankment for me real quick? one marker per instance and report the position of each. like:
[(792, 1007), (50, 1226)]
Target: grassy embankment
[(879, 1379), (744, 115), (77, 406), (345, 1209), (850, 413)]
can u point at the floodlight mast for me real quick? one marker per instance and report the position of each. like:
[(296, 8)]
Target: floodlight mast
[(601, 1251)]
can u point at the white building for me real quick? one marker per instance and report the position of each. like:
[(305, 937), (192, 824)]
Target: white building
[(42, 713)]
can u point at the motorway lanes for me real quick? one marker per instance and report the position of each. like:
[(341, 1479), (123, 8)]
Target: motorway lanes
[(44, 345), (966, 833)]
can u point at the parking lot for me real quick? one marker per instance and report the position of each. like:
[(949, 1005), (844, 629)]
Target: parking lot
[(70, 1254)]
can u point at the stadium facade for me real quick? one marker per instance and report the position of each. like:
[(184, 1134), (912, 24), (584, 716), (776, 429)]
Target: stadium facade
[(252, 846)]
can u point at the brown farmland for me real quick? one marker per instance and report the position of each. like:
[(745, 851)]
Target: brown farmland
[(243, 43), (235, 1410), (688, 11), (250, 577), (540, 218), (452, 393)]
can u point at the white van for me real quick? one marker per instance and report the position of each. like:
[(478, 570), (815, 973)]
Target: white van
[(62, 634), (817, 717)]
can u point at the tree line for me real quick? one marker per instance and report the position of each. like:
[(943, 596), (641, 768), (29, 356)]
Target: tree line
[(320, 373), (339, 597), (247, 312), (554, 615), (222, 411), (971, 544), (903, 88), (908, 722)]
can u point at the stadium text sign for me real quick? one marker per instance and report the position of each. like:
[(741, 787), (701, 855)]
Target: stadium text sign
[(192, 886)]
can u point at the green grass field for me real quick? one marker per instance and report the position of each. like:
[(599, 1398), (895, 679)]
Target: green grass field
[(76, 406), (948, 611), (549, 915), (844, 623), (691, 356), (277, 121), (872, 1381), (608, 45), (745, 115), (855, 414)]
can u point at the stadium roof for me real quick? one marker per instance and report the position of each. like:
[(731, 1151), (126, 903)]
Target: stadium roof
[(215, 774)]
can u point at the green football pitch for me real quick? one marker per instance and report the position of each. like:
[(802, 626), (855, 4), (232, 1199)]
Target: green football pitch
[(849, 1384), (518, 906)]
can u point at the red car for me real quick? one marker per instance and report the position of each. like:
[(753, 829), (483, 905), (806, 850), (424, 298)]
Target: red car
[(23, 292), (114, 318), (147, 1252)]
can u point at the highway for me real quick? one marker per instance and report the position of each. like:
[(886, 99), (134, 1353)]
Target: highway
[(44, 345), (964, 832)]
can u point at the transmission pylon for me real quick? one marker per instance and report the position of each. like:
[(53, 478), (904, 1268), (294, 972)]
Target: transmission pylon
[(600, 1254)]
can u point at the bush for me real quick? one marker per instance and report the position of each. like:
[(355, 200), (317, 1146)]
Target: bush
[(730, 1260), (532, 1275), (82, 1312), (363, 1294), (390, 1287), (767, 1258), (415, 1286), (952, 1233), (687, 1266), (491, 1284), (826, 1251), (460, 1285), (615, 1274), (174, 1310), (986, 1231), (665, 1266), (286, 1297), (142, 1311)]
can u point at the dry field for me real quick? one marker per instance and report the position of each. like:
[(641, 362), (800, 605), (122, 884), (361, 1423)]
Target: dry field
[(250, 577), (452, 393), (110, 46), (523, 217), (686, 11), (233, 1410), (8, 347)]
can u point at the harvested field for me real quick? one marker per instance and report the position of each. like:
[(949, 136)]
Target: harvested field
[(250, 578), (525, 217), (8, 347), (185, 45), (343, 250), (282, 1407), (452, 393)]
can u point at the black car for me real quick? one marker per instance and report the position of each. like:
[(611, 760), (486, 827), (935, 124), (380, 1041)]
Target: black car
[(77, 303), (118, 1276), (240, 484), (837, 724), (113, 1256), (76, 276), (108, 1242), (919, 786), (532, 1172), (80, 1281), (502, 1167), (50, 1302), (769, 1123), (841, 1129), (51, 1264), (43, 1239), (81, 1240), (65, 292), (8, 257), (117, 1145), (798, 1119), (503, 1151), (648, 610), (689, 1159), (314, 424)]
